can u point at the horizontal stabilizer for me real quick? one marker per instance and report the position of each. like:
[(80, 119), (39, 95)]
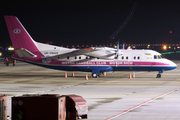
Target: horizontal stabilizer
[(25, 53)]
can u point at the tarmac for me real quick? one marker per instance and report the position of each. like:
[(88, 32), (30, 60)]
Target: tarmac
[(110, 97)]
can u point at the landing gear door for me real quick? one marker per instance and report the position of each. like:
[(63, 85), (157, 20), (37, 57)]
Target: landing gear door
[(137, 59)]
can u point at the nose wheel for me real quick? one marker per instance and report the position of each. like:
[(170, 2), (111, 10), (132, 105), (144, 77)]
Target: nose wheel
[(158, 75)]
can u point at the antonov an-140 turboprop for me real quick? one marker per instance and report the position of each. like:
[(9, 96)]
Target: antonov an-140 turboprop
[(94, 59)]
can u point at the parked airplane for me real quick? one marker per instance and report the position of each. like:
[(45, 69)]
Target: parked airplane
[(96, 60)]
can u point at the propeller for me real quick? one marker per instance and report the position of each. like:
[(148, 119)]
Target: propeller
[(123, 45), (117, 52)]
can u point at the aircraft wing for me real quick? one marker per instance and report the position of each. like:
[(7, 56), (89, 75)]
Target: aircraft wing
[(74, 53), (100, 53)]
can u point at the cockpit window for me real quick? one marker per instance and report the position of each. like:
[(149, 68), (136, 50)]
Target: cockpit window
[(162, 56), (158, 57), (155, 56)]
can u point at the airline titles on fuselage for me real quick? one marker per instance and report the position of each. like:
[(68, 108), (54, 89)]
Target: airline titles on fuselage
[(51, 53), (97, 63)]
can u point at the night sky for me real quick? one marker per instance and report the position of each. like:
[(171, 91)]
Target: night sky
[(73, 22)]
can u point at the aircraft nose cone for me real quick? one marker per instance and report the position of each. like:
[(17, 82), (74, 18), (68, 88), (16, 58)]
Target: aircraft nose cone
[(173, 65)]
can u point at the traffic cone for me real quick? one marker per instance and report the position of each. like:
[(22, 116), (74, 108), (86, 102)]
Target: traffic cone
[(104, 73), (133, 75), (129, 75), (86, 77), (65, 75), (73, 74)]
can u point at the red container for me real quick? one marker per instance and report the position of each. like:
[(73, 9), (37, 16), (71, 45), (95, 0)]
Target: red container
[(3, 107), (76, 107), (38, 107), (48, 107)]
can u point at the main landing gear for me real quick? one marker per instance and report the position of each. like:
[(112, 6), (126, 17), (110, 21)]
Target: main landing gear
[(159, 74), (95, 73)]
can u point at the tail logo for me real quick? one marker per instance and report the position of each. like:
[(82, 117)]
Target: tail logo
[(16, 31)]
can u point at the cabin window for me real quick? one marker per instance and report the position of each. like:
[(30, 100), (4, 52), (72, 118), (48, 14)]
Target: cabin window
[(79, 57), (67, 57), (138, 57), (75, 57), (134, 57), (126, 57), (122, 57), (58, 57), (97, 58), (86, 57)]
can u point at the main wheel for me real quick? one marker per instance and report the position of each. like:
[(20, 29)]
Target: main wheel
[(94, 75)]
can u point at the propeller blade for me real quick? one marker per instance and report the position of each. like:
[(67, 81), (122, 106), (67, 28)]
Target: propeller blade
[(123, 45), (117, 53)]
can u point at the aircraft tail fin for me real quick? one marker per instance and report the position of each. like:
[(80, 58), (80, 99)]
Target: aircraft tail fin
[(20, 38)]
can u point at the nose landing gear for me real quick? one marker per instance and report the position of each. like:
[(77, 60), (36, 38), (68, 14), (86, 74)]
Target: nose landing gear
[(159, 74)]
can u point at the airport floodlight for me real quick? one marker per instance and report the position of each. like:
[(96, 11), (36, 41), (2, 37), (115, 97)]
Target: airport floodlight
[(10, 48), (164, 47)]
